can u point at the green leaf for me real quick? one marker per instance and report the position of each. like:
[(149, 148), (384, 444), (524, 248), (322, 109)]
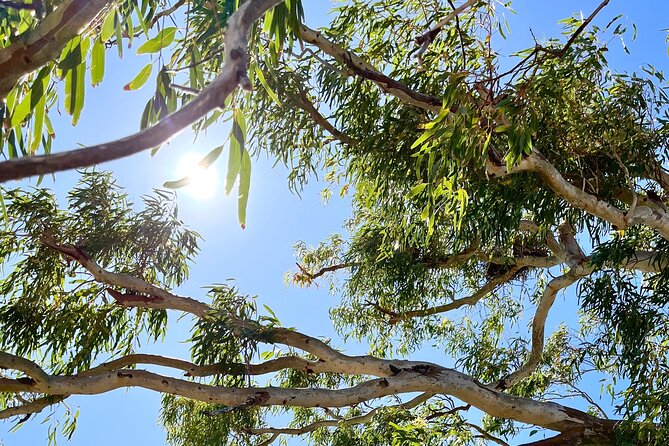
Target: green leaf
[(234, 164), (107, 29), (38, 124), (164, 38), (237, 147), (244, 186), (97, 62), (75, 90), (268, 89), (118, 31), (140, 79), (417, 189)]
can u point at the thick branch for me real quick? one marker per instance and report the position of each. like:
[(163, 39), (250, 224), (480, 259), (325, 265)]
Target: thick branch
[(395, 376), (537, 163), (442, 381), (13, 362), (213, 96), (44, 43)]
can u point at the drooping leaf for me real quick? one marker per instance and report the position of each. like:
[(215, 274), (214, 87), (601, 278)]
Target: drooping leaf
[(97, 62)]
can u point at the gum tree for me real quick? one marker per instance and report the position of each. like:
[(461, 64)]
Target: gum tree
[(483, 187)]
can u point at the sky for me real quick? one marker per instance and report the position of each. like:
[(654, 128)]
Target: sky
[(258, 257)]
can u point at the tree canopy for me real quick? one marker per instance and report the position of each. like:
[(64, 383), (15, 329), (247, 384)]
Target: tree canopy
[(483, 186)]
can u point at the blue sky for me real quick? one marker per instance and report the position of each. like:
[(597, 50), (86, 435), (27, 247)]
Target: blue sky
[(259, 256)]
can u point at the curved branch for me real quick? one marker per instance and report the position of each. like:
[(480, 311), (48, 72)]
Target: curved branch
[(13, 362), (538, 328), (233, 74), (395, 376), (489, 287), (443, 381), (653, 218), (44, 43)]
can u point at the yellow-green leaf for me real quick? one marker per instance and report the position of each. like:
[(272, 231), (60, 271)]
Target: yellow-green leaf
[(140, 79), (244, 186), (164, 38), (97, 62)]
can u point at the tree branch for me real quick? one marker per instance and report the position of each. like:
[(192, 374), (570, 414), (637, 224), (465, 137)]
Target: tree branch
[(473, 299), (394, 376), (365, 70), (362, 419), (36, 47), (538, 328), (425, 39), (233, 74), (32, 407)]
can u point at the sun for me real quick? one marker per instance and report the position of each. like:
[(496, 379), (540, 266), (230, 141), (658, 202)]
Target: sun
[(203, 183)]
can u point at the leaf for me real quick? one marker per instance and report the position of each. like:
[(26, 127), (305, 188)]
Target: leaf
[(417, 189), (140, 79), (38, 124), (75, 90), (268, 89), (237, 142), (164, 38), (107, 29), (234, 164), (210, 157), (185, 181), (244, 186), (97, 62), (118, 31)]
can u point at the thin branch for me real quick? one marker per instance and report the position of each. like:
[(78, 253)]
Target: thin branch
[(473, 299), (580, 29), (167, 12), (485, 434), (361, 419), (425, 39), (324, 270), (555, 53), (302, 101), (223, 368)]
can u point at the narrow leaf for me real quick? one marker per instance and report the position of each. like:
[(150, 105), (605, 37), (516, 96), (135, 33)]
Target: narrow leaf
[(140, 79), (244, 186)]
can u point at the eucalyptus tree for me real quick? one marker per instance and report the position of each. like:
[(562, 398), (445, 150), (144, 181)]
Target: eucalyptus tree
[(483, 187)]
